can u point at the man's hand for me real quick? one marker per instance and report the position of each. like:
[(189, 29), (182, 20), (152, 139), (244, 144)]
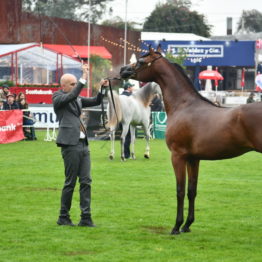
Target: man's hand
[(85, 69), (104, 83)]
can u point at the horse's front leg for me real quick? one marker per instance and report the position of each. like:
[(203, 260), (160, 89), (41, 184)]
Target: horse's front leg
[(192, 170), (133, 138), (112, 139), (125, 128), (179, 165)]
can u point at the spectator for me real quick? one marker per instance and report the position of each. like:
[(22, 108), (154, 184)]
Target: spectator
[(28, 121), (1, 104), (250, 98), (10, 104), (20, 96), (4, 92), (156, 104), (128, 90)]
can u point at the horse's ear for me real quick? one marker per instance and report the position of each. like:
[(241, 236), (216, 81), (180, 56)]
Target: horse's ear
[(151, 50), (159, 49)]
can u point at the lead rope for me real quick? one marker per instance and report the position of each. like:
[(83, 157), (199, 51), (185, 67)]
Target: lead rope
[(113, 101)]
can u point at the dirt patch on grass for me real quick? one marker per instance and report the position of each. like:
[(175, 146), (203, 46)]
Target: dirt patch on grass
[(41, 189), (79, 253), (155, 230)]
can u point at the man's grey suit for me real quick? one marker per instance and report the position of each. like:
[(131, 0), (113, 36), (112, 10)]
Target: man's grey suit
[(74, 150)]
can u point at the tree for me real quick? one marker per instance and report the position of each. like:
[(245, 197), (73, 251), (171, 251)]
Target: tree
[(179, 59), (118, 22), (175, 16), (100, 67), (68, 9), (250, 21)]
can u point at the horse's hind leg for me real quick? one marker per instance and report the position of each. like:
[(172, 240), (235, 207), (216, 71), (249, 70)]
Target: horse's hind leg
[(192, 170), (147, 133), (112, 139), (132, 145), (179, 165)]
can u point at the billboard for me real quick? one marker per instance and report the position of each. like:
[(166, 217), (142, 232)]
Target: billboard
[(215, 53)]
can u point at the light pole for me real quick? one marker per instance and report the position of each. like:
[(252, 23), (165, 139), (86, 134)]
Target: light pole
[(125, 38), (88, 50)]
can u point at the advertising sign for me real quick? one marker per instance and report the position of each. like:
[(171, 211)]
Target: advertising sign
[(11, 122), (159, 124), (204, 53), (39, 95)]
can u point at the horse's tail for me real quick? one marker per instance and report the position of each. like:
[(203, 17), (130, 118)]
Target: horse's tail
[(114, 113)]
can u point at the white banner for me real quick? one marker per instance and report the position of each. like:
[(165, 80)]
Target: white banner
[(44, 116)]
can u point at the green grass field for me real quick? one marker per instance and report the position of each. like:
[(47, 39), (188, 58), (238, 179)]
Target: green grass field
[(133, 205)]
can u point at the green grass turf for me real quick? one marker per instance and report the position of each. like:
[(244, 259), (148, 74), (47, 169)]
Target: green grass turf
[(133, 205)]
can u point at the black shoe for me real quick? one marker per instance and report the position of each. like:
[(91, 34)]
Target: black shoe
[(86, 222), (64, 221)]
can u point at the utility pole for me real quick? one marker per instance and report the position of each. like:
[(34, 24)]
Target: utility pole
[(125, 38), (88, 49)]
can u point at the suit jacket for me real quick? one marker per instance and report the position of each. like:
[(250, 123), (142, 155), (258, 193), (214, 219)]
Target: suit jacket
[(67, 107)]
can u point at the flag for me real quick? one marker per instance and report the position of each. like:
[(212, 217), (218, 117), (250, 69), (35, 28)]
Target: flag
[(11, 126), (243, 78)]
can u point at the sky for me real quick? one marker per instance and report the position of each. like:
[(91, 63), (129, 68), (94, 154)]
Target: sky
[(215, 11)]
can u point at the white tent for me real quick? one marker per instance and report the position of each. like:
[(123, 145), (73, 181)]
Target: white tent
[(33, 64)]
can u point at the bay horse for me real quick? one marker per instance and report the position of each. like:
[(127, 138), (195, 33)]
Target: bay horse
[(131, 111), (196, 129)]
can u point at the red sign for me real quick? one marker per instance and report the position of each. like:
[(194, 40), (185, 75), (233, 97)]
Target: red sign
[(11, 126), (39, 95)]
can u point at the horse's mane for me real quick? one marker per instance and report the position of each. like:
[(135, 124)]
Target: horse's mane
[(182, 71)]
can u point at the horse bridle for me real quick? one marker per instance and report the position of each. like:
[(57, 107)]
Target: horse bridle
[(144, 66)]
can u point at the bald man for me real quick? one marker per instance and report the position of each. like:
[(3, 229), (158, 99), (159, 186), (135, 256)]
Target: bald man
[(72, 138)]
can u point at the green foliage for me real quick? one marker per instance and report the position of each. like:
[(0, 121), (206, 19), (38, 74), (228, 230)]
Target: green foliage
[(68, 9), (250, 21), (133, 205), (179, 59), (100, 69), (176, 18), (118, 22), (7, 82)]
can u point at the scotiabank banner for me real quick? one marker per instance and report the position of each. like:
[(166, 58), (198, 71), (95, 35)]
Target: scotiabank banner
[(39, 95), (11, 126)]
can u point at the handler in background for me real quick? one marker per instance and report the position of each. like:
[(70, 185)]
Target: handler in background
[(72, 138)]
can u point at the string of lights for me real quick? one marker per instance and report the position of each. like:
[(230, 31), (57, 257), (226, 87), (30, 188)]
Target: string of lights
[(130, 46)]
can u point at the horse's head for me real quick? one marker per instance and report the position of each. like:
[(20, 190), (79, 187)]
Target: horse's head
[(141, 70)]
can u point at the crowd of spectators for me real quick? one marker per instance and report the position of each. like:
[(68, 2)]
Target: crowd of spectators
[(9, 101)]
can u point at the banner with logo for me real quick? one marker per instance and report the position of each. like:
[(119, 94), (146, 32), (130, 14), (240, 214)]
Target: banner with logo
[(38, 95), (11, 126), (159, 124)]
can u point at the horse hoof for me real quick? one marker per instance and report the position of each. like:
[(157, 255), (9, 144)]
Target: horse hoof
[(146, 156), (185, 230), (123, 159), (133, 157), (111, 157), (175, 232)]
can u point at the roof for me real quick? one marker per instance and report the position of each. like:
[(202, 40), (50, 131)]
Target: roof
[(159, 36), (8, 49), (82, 51), (34, 54)]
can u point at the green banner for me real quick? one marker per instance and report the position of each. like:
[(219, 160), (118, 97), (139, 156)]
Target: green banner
[(159, 124)]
